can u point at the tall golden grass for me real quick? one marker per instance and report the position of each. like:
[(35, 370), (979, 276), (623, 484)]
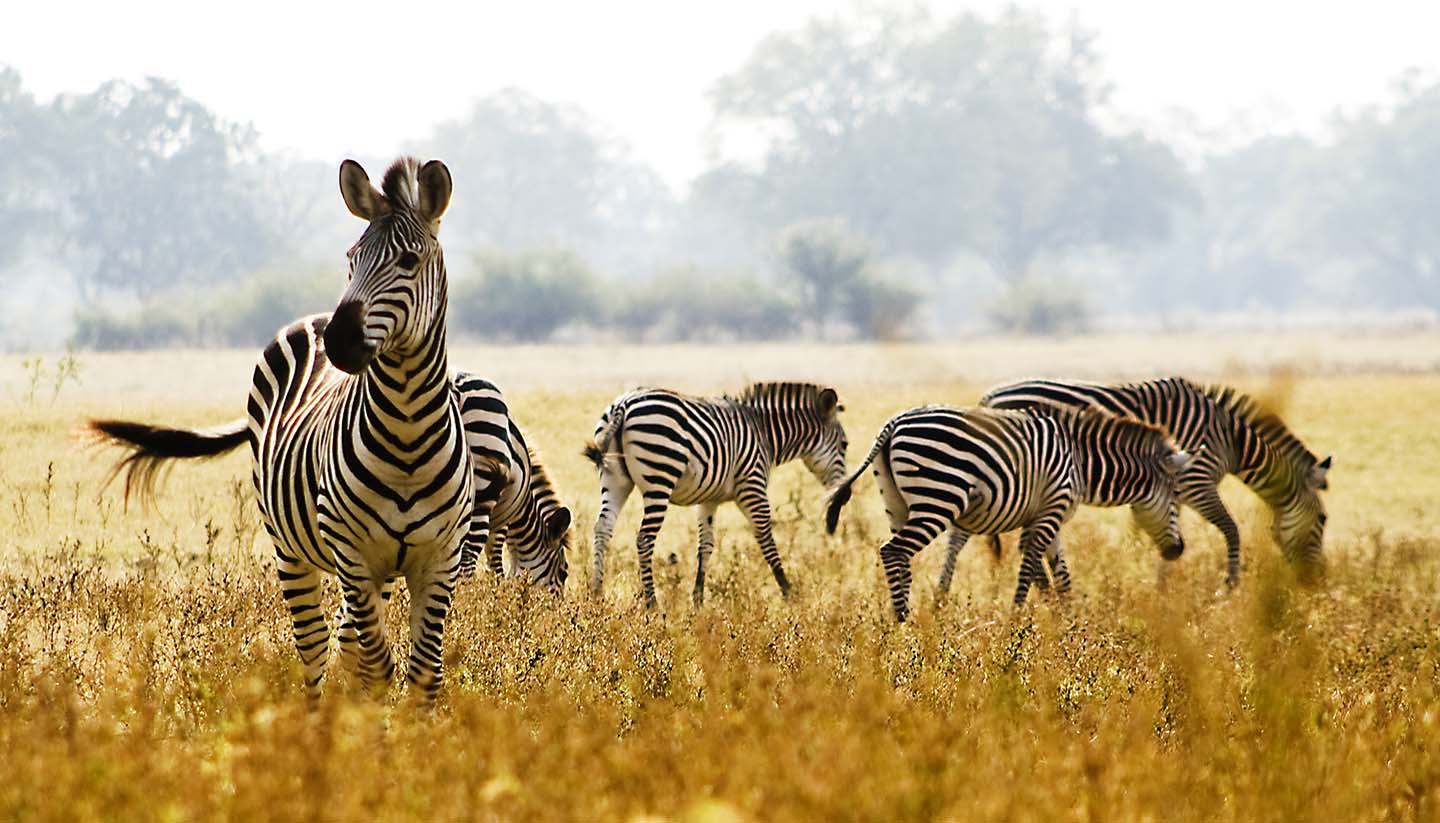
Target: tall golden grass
[(146, 668)]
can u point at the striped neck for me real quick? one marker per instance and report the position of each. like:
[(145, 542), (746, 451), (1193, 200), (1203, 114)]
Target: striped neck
[(407, 395)]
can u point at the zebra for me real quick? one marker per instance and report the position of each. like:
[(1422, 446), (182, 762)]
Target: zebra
[(515, 499), (358, 451), (704, 451), (1229, 433), (988, 470)]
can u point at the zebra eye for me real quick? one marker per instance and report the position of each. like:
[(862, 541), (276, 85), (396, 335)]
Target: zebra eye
[(408, 260)]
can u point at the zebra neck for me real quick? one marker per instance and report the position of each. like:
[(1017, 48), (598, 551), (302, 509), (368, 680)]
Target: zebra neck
[(407, 395), (780, 441)]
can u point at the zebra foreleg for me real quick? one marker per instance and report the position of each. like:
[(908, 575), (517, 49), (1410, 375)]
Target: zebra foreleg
[(365, 605), (1055, 559), (1035, 542), (756, 505), (300, 586), (476, 541), (1206, 501), (349, 638), (896, 554), (430, 594), (705, 525), (614, 491), (958, 538)]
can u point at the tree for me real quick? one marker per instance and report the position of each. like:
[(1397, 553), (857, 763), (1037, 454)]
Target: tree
[(28, 205), (524, 297), (935, 138), (539, 175), (152, 194)]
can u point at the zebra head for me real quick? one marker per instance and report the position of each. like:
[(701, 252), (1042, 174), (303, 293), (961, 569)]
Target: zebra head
[(396, 296), (540, 553), (824, 455), (1299, 526), (1158, 515)]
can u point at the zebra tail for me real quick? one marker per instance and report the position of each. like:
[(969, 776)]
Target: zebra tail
[(595, 452), (151, 447), (841, 494)]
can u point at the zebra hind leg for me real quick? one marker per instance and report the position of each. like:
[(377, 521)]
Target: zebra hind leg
[(615, 488), (300, 586), (958, 538), (896, 554), (1055, 559), (705, 524)]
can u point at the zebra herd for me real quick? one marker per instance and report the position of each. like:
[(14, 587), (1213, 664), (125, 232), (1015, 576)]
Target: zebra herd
[(373, 460)]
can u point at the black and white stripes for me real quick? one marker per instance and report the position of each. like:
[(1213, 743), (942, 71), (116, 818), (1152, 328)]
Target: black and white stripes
[(359, 455), (706, 451), (985, 471), (1228, 433)]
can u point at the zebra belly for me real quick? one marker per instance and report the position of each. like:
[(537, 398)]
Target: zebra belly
[(696, 487)]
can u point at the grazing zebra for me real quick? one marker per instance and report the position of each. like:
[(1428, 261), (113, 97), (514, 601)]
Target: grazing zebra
[(987, 470), (358, 451), (704, 451), (515, 499), (1229, 433)]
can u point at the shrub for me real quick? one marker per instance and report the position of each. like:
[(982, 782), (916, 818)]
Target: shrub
[(524, 297), (1042, 305)]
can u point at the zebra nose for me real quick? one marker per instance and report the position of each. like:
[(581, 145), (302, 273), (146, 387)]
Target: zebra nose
[(345, 344)]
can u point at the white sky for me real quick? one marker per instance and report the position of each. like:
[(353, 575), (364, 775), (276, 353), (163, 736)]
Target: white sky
[(327, 79)]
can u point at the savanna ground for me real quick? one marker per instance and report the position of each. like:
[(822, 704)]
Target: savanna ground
[(147, 670)]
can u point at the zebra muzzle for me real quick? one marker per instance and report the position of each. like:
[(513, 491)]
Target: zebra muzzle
[(345, 344)]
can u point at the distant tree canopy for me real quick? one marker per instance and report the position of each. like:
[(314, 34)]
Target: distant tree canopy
[(539, 175), (940, 137)]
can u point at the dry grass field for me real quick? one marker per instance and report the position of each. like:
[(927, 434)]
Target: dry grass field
[(147, 670)]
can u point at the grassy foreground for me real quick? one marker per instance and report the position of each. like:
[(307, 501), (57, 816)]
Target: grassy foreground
[(146, 668)]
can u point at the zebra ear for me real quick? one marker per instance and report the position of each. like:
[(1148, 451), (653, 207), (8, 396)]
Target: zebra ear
[(1319, 473), (829, 404), (435, 188), (361, 197), (557, 523)]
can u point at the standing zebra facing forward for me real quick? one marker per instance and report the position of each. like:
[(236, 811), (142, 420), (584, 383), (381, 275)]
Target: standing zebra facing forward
[(1228, 433), (358, 451), (986, 470), (704, 451), (515, 500)]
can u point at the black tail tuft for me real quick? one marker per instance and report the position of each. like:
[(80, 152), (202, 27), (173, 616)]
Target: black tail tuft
[(838, 499), (593, 453), (152, 446)]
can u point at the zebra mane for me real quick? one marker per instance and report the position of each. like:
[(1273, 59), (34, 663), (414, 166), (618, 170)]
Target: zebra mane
[(1265, 423), (401, 185), (1139, 429), (806, 395)]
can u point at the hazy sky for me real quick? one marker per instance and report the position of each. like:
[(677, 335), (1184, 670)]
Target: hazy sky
[(326, 79)]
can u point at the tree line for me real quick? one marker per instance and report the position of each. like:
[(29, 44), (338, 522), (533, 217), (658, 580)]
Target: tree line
[(880, 174)]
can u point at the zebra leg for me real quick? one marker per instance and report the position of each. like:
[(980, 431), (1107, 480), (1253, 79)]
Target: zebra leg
[(349, 638), (300, 586), (895, 555), (1206, 501), (706, 526), (476, 540), (1055, 559), (657, 501), (1035, 542), (430, 593), (755, 503), (958, 538), (365, 606), (615, 488), (493, 556)]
